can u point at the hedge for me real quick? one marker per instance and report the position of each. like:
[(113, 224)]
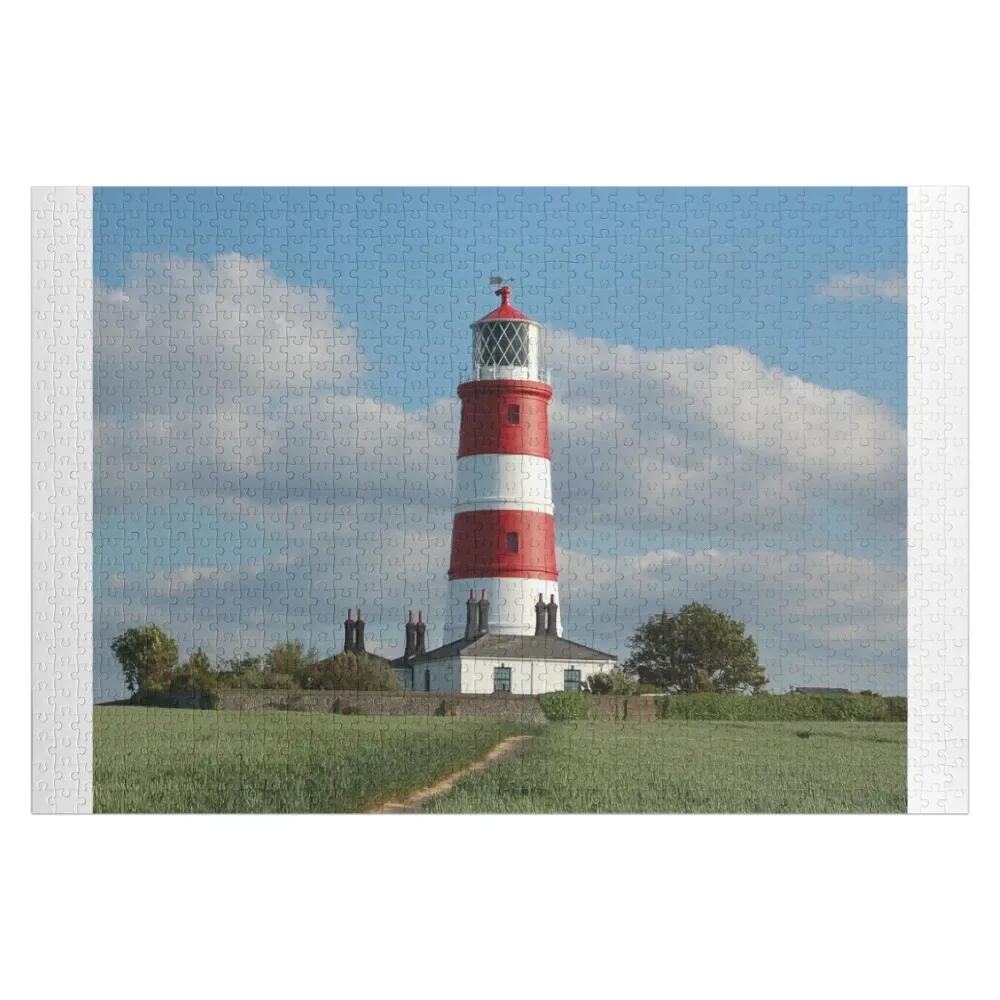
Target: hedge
[(782, 708), (566, 706)]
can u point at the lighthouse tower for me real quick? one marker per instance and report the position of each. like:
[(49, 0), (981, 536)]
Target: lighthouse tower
[(503, 533), (503, 631)]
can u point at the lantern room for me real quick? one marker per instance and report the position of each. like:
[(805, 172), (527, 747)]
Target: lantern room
[(506, 344)]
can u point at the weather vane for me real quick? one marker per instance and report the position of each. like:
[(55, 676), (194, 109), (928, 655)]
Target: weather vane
[(495, 279)]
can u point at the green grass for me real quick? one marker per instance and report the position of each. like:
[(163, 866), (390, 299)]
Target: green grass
[(177, 760), (680, 766)]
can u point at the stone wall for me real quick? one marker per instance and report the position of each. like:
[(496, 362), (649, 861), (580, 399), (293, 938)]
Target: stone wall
[(511, 708)]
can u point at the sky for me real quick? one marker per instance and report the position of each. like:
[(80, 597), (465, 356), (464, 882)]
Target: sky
[(276, 415)]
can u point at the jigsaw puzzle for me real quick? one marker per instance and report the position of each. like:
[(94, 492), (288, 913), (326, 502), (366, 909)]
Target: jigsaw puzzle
[(500, 500)]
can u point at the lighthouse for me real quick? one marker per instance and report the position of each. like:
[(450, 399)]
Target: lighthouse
[(503, 627), (503, 531)]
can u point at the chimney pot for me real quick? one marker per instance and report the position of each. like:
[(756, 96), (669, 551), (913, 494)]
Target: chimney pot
[(471, 616), (540, 616), (551, 613), (350, 633), (484, 614), (420, 632)]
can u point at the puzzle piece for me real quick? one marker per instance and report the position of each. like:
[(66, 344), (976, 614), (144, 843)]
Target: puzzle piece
[(688, 397)]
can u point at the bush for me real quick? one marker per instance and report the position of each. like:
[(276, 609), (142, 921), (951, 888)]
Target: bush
[(895, 708), (781, 708), (349, 672), (290, 658), (612, 682), (254, 680), (641, 688), (195, 674), (566, 706)]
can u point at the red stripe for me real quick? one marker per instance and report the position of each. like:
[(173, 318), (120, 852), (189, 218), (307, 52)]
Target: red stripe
[(486, 427), (479, 545)]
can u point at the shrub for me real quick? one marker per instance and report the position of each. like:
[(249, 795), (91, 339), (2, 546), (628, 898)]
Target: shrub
[(254, 680), (290, 658), (566, 706), (895, 708), (195, 674), (349, 672), (247, 663), (612, 682), (781, 708)]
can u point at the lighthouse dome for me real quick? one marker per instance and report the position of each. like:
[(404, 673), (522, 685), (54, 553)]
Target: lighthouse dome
[(507, 344)]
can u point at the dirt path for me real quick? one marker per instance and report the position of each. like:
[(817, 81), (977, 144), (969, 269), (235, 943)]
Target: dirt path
[(504, 750)]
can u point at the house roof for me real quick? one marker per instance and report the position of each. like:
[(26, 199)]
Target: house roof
[(511, 647)]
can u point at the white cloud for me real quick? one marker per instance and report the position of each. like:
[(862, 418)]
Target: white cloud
[(866, 286), (715, 443)]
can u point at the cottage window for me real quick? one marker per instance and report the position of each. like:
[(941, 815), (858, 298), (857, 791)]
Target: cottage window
[(571, 680), (501, 679)]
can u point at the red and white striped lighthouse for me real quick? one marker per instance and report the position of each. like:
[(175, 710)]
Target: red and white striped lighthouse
[(503, 534)]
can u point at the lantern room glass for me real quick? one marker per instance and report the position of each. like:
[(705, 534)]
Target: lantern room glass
[(502, 345)]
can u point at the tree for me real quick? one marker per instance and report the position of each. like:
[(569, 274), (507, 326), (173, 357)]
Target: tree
[(290, 658), (245, 664), (696, 649), (350, 672), (147, 656), (195, 674)]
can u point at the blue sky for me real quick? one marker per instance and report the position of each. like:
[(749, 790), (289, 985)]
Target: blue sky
[(790, 301)]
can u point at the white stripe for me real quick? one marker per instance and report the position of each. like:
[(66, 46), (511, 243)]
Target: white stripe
[(512, 604), (493, 504), (504, 482)]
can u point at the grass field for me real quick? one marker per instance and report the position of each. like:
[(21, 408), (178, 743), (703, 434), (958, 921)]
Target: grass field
[(678, 766), (175, 760)]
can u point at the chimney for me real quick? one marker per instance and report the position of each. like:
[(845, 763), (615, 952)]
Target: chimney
[(359, 634), (411, 638), (421, 633), (484, 614), (540, 616), (349, 633), (471, 616), (552, 610)]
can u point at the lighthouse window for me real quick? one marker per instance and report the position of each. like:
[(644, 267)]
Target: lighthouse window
[(501, 679), (571, 680), (512, 541), (502, 344), (514, 414)]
